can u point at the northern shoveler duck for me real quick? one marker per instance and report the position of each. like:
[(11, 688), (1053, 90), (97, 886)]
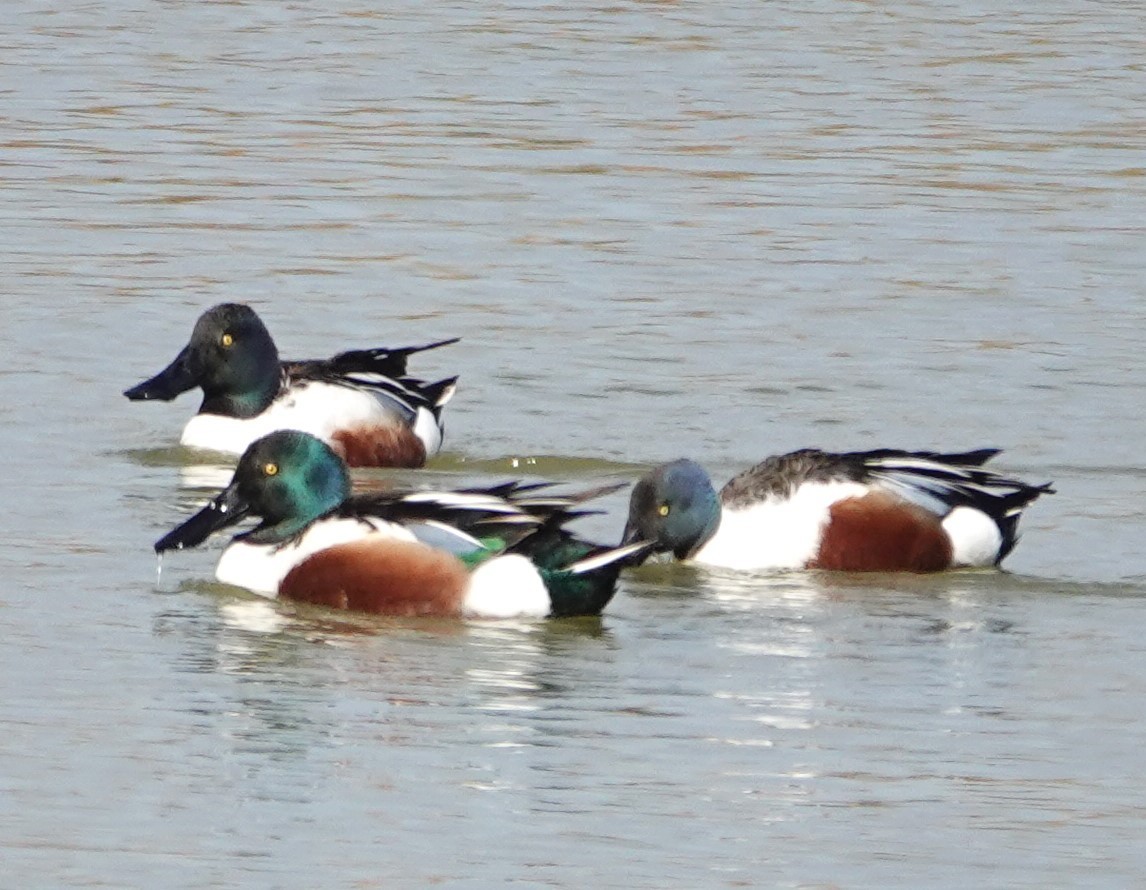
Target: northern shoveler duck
[(499, 552), (887, 510), (361, 402)]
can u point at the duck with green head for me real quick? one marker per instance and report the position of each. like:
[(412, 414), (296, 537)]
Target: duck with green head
[(360, 402), (497, 552)]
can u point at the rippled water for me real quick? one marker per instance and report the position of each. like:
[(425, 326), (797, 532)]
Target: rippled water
[(721, 230)]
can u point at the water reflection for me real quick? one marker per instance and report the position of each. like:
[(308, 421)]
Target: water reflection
[(760, 690), (714, 230)]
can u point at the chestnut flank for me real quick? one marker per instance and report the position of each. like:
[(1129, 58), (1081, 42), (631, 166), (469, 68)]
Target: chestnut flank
[(881, 533), (384, 577), (380, 446)]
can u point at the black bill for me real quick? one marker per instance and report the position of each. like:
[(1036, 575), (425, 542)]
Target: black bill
[(176, 378), (226, 509)]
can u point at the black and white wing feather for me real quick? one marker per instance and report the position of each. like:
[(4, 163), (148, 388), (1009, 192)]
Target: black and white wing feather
[(382, 373)]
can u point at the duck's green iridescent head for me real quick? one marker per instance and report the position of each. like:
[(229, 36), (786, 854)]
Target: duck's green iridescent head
[(288, 479), (231, 356), (674, 506)]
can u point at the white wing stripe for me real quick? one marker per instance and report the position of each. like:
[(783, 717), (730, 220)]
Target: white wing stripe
[(603, 559)]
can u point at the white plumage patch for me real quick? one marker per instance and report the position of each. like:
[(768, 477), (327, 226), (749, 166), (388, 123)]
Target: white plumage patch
[(214, 432), (908, 463), (261, 567), (320, 409), (506, 587), (426, 425), (427, 429), (466, 500), (777, 533), (933, 485), (589, 563), (975, 538)]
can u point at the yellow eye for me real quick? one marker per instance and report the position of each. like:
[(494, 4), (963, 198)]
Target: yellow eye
[(271, 469), (227, 340), (664, 510)]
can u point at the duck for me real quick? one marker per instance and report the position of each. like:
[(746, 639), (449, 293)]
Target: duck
[(496, 552), (361, 402), (885, 510)]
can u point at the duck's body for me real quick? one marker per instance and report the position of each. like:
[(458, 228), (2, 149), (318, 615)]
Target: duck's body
[(387, 424), (492, 553), (884, 510), (361, 402)]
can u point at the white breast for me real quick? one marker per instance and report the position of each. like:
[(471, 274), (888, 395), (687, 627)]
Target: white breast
[(316, 408), (777, 533), (261, 568)]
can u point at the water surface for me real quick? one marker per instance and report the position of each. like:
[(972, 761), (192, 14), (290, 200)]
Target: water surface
[(662, 229)]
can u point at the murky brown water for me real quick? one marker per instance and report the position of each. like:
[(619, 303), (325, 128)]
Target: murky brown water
[(663, 229)]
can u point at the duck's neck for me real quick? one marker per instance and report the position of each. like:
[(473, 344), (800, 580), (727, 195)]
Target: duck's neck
[(299, 500), (248, 402), (707, 533), (581, 578)]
